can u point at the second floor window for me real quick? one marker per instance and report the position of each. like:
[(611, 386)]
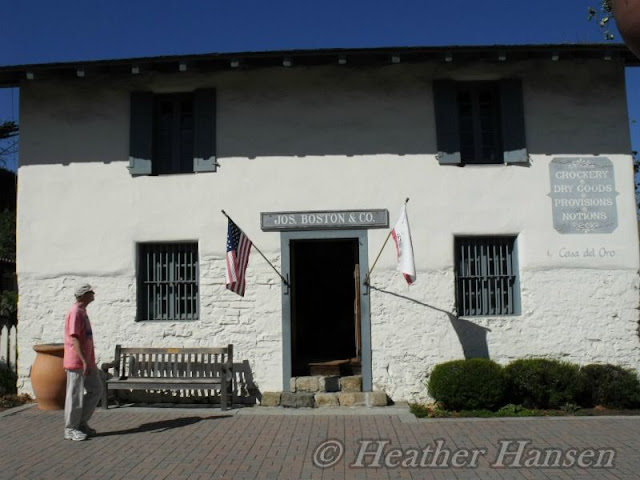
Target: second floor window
[(172, 133), (480, 122), (479, 119)]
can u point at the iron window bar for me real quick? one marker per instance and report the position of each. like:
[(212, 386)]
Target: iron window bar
[(168, 281)]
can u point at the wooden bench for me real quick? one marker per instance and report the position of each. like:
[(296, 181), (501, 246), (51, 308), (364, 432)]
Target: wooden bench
[(171, 369)]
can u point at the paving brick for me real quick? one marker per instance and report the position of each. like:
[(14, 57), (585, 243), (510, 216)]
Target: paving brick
[(203, 444)]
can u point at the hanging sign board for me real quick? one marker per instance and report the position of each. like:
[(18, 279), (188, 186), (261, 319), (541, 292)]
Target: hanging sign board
[(331, 219)]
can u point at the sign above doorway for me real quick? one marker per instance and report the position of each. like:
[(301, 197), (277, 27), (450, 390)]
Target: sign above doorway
[(329, 219)]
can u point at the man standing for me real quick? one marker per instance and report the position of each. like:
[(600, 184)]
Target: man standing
[(80, 364)]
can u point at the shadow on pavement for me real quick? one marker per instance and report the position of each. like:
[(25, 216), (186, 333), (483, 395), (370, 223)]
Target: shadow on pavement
[(162, 425)]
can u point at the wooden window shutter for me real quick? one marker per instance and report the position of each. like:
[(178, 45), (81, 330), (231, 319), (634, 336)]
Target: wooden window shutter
[(447, 124), (141, 133), (512, 113), (204, 144)]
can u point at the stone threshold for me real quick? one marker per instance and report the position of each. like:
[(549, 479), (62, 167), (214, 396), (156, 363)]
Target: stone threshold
[(324, 399), (326, 384)]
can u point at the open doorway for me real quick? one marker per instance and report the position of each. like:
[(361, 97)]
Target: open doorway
[(324, 303)]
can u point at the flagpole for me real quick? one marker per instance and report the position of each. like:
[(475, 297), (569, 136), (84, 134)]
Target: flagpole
[(258, 250), (367, 278)]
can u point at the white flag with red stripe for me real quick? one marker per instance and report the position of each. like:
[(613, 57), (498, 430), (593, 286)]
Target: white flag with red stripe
[(404, 247)]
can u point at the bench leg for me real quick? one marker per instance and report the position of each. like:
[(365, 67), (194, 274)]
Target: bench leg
[(223, 396), (105, 401)]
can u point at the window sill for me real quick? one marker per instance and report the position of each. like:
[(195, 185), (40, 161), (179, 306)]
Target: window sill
[(488, 317), (167, 321)]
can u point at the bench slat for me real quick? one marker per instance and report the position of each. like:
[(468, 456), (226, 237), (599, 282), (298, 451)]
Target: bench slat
[(148, 383), (133, 350), (154, 369), (176, 380)]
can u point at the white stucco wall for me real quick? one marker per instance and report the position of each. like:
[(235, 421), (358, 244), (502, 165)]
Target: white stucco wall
[(327, 138)]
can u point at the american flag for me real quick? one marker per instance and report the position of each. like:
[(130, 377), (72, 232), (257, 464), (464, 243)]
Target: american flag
[(238, 249)]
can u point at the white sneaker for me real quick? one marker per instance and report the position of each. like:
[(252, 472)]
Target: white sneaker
[(75, 435)]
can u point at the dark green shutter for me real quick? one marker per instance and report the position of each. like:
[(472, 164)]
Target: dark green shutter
[(512, 113), (141, 133), (204, 145), (447, 126)]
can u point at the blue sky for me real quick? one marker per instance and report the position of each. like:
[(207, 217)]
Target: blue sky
[(38, 31)]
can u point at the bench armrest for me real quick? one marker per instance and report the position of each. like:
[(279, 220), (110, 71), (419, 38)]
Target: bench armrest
[(105, 366), (227, 370)]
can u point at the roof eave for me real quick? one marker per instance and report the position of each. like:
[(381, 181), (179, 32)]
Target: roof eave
[(14, 75)]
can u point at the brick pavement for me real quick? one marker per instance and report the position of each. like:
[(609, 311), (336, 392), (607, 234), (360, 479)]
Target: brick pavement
[(258, 443)]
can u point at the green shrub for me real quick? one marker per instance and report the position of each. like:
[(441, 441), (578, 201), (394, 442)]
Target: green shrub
[(468, 384), (8, 380), (431, 410), (543, 383), (419, 410), (8, 306), (610, 385)]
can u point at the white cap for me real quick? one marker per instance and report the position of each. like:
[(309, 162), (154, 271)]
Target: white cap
[(82, 289)]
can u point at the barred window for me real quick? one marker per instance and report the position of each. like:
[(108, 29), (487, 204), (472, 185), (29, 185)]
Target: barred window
[(168, 283), (487, 276)]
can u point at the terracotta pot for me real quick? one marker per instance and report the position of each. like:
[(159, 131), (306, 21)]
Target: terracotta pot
[(48, 377), (627, 16)]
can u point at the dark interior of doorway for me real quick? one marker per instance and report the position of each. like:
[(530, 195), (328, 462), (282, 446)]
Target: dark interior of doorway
[(323, 295)]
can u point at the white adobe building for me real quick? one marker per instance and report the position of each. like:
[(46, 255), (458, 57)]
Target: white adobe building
[(516, 160)]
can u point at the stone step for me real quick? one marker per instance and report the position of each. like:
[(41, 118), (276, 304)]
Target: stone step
[(326, 384), (324, 399)]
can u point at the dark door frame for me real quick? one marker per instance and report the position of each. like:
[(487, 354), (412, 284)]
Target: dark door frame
[(365, 328)]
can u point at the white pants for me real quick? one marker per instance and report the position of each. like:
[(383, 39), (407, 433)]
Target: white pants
[(83, 394)]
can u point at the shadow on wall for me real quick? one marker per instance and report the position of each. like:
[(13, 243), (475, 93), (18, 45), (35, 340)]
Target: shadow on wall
[(271, 114), (245, 391), (472, 337), (323, 112)]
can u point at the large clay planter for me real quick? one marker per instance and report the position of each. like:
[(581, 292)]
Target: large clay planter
[(627, 15), (48, 377)]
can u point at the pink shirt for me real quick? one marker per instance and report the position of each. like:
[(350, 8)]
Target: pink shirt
[(77, 325)]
